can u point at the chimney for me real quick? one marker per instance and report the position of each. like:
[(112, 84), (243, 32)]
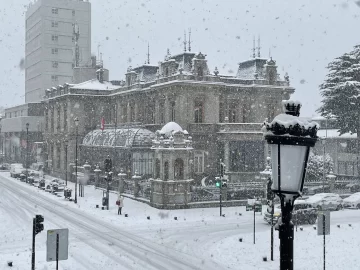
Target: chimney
[(100, 75)]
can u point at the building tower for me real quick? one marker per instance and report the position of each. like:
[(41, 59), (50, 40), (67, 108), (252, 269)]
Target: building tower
[(50, 37), (173, 168)]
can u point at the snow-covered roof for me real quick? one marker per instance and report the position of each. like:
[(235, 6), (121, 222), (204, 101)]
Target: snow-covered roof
[(334, 133), (125, 137), (170, 128), (94, 84)]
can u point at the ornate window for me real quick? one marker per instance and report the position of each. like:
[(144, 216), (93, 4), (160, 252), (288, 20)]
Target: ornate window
[(162, 112), (132, 112), (199, 112), (157, 168), (246, 156), (232, 112), (166, 170), (179, 169), (199, 162), (65, 118), (221, 112), (172, 111)]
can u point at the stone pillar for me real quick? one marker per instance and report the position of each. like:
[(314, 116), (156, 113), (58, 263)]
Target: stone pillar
[(121, 181), (97, 175), (87, 169), (136, 178)]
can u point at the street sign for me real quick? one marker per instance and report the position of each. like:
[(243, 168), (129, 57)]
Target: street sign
[(51, 244), (321, 224)]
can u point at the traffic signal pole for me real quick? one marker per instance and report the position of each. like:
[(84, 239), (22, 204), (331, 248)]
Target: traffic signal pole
[(37, 228), (220, 200), (33, 247)]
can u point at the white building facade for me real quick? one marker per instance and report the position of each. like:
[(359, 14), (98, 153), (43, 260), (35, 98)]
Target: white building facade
[(50, 43)]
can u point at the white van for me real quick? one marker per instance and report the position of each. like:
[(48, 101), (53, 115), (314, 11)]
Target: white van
[(16, 169)]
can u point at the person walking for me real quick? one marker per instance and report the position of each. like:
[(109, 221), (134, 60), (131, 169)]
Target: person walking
[(120, 203)]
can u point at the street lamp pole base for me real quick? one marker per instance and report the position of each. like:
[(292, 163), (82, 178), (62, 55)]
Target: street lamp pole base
[(286, 235)]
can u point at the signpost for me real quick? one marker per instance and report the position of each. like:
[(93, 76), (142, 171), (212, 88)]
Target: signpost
[(323, 227), (254, 205), (57, 245)]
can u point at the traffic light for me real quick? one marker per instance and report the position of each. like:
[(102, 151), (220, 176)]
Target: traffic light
[(109, 178), (222, 169), (217, 182), (224, 184), (39, 227), (108, 164)]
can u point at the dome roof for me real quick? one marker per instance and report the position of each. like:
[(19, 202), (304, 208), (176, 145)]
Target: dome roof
[(125, 137), (170, 128)]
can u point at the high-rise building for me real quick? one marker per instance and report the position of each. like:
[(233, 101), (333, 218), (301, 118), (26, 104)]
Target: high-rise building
[(52, 29)]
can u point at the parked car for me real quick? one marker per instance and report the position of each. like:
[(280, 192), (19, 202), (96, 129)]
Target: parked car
[(5, 166), (303, 213), (16, 169), (316, 190), (326, 201), (353, 187), (353, 201), (56, 185)]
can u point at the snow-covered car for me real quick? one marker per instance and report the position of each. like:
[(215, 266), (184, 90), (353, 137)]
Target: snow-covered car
[(57, 182), (326, 201), (16, 169), (56, 185), (303, 213), (353, 187), (353, 201)]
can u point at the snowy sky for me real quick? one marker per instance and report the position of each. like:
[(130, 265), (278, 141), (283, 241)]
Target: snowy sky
[(303, 36)]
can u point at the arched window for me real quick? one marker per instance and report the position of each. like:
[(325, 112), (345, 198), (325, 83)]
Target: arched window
[(157, 169), (198, 111), (179, 169), (166, 170), (172, 111), (200, 71)]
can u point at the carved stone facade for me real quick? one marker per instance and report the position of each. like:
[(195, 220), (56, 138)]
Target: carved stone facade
[(223, 114)]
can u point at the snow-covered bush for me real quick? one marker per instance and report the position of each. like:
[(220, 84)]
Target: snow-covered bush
[(315, 166)]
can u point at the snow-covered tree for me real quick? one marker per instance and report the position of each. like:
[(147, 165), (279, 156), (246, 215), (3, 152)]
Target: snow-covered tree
[(314, 169), (341, 92)]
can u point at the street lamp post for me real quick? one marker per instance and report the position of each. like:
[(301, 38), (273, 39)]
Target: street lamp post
[(76, 120), (27, 151), (66, 160), (323, 141), (270, 203), (290, 138)]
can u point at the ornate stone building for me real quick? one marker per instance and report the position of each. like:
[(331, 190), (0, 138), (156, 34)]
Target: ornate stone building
[(222, 113)]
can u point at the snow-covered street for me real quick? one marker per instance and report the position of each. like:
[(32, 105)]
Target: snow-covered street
[(198, 239)]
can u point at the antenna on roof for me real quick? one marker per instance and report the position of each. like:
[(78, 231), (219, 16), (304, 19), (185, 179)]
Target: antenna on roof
[(258, 47), (254, 47), (184, 41), (148, 54), (269, 52), (189, 39)]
